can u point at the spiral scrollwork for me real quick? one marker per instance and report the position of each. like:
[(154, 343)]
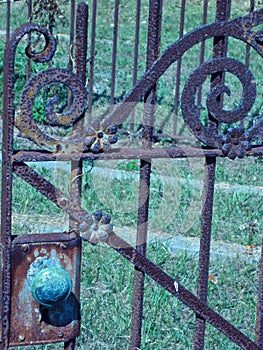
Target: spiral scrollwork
[(43, 56), (240, 28), (99, 138), (94, 138), (24, 120), (210, 137)]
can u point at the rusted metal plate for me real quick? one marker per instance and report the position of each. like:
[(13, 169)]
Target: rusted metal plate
[(30, 322)]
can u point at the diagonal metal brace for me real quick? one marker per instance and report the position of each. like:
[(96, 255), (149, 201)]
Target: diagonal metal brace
[(137, 259)]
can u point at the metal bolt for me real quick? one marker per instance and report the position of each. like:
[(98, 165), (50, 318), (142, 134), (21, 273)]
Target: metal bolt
[(98, 215), (25, 247), (60, 334), (112, 129), (105, 219), (21, 338), (62, 202), (63, 245)]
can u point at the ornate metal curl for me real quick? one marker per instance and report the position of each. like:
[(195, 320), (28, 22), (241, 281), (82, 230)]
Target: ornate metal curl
[(210, 137), (240, 28), (95, 138), (24, 120), (9, 60), (43, 56)]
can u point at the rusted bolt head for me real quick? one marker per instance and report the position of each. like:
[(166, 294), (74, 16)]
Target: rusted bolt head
[(112, 129), (105, 219), (60, 334), (97, 215), (25, 247), (21, 338), (113, 139), (100, 135)]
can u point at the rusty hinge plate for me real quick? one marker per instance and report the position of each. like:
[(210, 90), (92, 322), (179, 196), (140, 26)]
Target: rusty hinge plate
[(32, 323)]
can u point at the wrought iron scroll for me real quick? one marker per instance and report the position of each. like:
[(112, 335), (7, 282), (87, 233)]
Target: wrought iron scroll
[(24, 119), (94, 139), (237, 141), (98, 136)]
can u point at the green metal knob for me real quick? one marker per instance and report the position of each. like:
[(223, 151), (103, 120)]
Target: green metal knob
[(49, 282)]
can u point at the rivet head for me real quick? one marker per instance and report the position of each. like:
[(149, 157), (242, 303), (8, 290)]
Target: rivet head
[(25, 247), (60, 334), (21, 338)]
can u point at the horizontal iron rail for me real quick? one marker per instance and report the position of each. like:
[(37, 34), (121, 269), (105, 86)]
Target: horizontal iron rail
[(127, 153), (140, 261)]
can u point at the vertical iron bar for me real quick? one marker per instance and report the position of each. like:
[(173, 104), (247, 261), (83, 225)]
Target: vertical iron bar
[(8, 16), (219, 50), (6, 206), (81, 62), (202, 56), (28, 60), (71, 35), (153, 48), (252, 8), (248, 48), (71, 44), (6, 200), (136, 54), (92, 58), (204, 249), (81, 66), (259, 321), (178, 72), (81, 41), (114, 52)]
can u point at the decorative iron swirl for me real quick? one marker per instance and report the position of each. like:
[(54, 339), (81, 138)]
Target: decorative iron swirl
[(98, 139), (9, 62), (95, 138), (43, 56), (240, 28), (210, 137), (24, 120)]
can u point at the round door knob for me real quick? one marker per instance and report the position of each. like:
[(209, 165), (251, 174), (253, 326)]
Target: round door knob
[(49, 282)]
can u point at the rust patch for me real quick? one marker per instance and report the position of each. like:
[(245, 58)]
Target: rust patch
[(30, 322)]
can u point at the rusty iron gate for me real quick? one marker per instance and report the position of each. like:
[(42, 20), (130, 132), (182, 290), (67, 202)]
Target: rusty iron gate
[(96, 138)]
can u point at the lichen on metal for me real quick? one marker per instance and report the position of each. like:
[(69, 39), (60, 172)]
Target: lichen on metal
[(49, 282)]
